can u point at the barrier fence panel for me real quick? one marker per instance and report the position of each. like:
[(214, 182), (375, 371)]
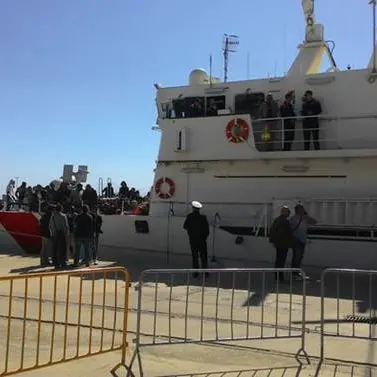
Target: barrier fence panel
[(177, 307), (348, 305), (52, 317)]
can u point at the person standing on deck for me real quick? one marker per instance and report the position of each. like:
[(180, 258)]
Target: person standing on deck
[(287, 111), (59, 232), (299, 224), (281, 238), (311, 108), (197, 227), (270, 109), (11, 195)]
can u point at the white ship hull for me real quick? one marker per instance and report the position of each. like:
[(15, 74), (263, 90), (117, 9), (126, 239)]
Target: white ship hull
[(119, 231)]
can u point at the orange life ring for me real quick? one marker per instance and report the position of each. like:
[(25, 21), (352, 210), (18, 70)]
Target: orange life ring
[(237, 130), (165, 193)]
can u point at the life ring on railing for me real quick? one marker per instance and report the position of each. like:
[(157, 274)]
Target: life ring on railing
[(237, 131), (167, 191)]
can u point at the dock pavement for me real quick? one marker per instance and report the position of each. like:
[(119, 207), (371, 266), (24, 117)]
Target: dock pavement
[(277, 314)]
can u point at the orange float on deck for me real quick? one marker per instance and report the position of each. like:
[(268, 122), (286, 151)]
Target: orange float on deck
[(237, 131), (165, 192), (24, 228)]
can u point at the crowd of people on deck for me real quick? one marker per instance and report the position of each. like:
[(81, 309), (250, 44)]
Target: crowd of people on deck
[(274, 120), (71, 221), (282, 135), (37, 198)]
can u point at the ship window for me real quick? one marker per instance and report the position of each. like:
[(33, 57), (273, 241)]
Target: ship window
[(179, 108), (214, 104), (165, 110), (194, 107), (248, 103)]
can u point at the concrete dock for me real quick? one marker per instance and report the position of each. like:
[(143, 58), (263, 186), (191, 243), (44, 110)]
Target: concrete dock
[(175, 312)]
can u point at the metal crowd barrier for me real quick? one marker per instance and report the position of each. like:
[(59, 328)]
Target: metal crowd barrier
[(53, 317), (352, 303), (175, 307)]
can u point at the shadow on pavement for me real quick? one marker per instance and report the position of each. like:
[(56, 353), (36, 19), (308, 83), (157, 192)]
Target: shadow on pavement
[(136, 261)]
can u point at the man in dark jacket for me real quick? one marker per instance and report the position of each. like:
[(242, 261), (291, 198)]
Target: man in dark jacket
[(46, 251), (90, 197), (282, 239), (310, 108), (71, 215), (197, 228), (287, 111), (97, 228), (84, 231), (59, 232)]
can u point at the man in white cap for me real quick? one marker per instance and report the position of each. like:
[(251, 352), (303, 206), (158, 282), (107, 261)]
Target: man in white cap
[(197, 227)]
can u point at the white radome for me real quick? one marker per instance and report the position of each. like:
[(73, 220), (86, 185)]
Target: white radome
[(198, 77)]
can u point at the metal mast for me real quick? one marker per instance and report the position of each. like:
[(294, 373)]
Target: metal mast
[(230, 43), (374, 68)]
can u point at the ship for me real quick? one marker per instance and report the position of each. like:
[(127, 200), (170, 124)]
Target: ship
[(216, 148)]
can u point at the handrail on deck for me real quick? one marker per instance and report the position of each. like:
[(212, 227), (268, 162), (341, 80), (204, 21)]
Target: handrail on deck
[(320, 117)]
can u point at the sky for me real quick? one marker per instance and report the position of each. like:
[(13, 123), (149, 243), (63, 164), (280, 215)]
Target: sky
[(76, 76)]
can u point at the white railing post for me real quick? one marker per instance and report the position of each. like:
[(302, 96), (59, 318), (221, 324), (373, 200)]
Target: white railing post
[(100, 186), (282, 134)]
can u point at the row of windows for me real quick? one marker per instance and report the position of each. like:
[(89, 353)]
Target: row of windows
[(190, 107)]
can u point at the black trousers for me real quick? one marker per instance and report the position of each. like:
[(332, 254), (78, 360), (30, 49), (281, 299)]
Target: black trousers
[(298, 254), (281, 258), (59, 250), (289, 135), (199, 250), (311, 130)]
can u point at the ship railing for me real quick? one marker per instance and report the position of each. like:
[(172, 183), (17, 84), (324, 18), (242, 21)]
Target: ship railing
[(339, 212), (256, 216), (240, 210), (273, 134)]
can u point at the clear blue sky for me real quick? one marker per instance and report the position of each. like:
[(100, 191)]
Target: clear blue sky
[(76, 76)]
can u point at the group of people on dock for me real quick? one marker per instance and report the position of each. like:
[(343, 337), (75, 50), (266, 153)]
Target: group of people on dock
[(287, 232), (290, 232), (66, 234)]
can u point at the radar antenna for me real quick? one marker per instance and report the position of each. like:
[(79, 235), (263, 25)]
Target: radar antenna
[(308, 8), (230, 43)]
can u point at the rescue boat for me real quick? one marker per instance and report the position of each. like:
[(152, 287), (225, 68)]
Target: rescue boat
[(234, 163)]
